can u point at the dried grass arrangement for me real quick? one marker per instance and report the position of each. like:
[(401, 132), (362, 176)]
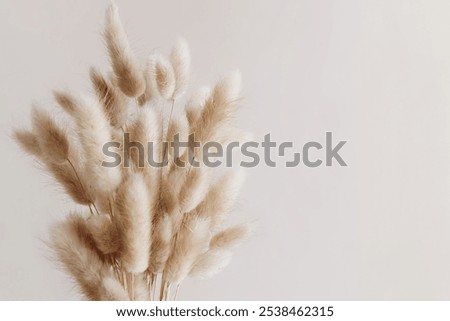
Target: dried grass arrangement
[(145, 228)]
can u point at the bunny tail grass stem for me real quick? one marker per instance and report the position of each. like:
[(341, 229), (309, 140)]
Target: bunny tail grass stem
[(119, 274), (162, 287), (129, 285), (151, 285), (166, 290), (124, 280), (167, 294), (81, 184), (176, 292), (171, 113), (153, 281), (132, 286), (110, 207), (166, 145), (114, 266)]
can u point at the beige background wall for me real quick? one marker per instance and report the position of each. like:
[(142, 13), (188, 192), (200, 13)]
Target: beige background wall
[(376, 73)]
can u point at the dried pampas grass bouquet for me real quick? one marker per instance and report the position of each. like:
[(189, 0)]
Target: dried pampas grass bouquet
[(147, 225)]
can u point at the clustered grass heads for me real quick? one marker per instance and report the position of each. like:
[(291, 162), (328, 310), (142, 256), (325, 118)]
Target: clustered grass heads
[(147, 227)]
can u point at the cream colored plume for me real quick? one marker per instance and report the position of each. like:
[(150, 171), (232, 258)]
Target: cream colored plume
[(164, 77), (161, 240), (74, 250), (151, 88), (191, 241), (146, 129), (221, 197), (195, 106), (219, 107), (134, 217), (194, 188), (104, 233), (114, 102), (219, 253), (181, 63), (52, 139), (126, 67), (94, 131), (28, 141), (231, 237), (210, 263), (64, 171), (67, 175)]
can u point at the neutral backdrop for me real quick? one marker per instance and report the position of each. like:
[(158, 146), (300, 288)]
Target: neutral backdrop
[(375, 73)]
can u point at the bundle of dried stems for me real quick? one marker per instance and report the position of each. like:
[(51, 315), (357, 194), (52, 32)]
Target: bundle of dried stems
[(148, 227)]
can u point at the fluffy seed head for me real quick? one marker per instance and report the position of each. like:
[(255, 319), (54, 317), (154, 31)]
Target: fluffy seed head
[(164, 77), (126, 68), (52, 138), (181, 63), (28, 142), (134, 221)]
